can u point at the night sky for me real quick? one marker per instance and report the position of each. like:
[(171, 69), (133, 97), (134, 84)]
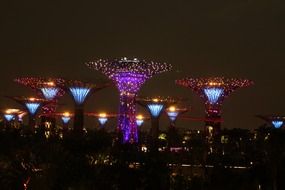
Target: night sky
[(238, 38)]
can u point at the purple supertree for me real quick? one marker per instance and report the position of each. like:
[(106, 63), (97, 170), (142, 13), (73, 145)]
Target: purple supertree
[(213, 91), (128, 75), (277, 121), (80, 91)]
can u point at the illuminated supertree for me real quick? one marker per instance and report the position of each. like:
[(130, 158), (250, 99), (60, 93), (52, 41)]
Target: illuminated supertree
[(102, 118), (173, 112), (155, 107), (128, 75), (276, 121), (65, 118), (80, 91), (213, 91), (140, 120), (50, 89), (32, 105), (13, 117)]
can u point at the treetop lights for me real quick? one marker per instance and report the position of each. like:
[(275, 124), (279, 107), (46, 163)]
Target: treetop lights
[(10, 114), (128, 75), (50, 88), (32, 105), (80, 91), (213, 91), (275, 120), (173, 112), (155, 106), (65, 117), (140, 120)]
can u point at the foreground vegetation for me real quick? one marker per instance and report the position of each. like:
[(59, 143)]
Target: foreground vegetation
[(96, 161)]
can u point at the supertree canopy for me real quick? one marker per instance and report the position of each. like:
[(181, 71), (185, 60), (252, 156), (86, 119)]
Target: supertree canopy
[(49, 88), (80, 91), (12, 117), (10, 114), (65, 117), (128, 75), (155, 106), (102, 118), (213, 91), (32, 106), (276, 121), (173, 112), (140, 120)]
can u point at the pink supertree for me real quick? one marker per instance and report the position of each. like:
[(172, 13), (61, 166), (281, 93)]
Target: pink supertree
[(213, 92), (49, 88)]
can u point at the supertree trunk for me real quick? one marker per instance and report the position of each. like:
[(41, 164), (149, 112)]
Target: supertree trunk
[(78, 123), (127, 119)]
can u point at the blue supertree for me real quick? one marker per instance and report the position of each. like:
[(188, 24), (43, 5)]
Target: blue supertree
[(80, 91), (277, 121), (32, 105), (11, 116), (155, 106), (173, 112), (140, 120)]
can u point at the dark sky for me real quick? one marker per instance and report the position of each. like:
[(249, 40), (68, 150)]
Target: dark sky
[(237, 38)]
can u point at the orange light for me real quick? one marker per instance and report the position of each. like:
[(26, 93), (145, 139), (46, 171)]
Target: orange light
[(9, 111), (140, 117), (172, 108), (155, 99), (66, 114), (50, 83), (102, 115), (32, 99)]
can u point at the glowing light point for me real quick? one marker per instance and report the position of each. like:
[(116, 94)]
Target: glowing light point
[(8, 117), (277, 124), (50, 92), (155, 109), (32, 107), (139, 120), (213, 94), (79, 94)]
